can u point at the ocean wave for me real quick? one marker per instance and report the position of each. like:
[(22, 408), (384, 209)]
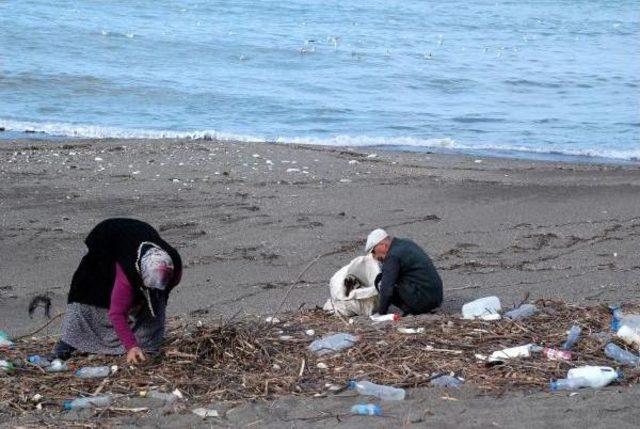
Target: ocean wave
[(100, 132), (358, 141)]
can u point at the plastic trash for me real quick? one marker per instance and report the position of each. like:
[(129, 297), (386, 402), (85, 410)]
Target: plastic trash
[(568, 384), (629, 335), (385, 317), (386, 393), (618, 318), (169, 398), (6, 366), (621, 355), (572, 337), (5, 340), (411, 330), (332, 343), (512, 352), (205, 412), (93, 372), (555, 354), (91, 402), (38, 360), (366, 410), (446, 381), (484, 308), (522, 312), (57, 365), (598, 376)]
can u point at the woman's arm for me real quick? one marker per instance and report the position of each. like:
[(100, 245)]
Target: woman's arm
[(121, 303)]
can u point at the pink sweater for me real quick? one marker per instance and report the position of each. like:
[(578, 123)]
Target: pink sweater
[(121, 304)]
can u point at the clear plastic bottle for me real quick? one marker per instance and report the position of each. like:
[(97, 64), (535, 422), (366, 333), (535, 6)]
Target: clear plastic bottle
[(93, 372), (91, 402), (366, 410), (522, 312), (386, 393), (621, 355), (618, 318), (569, 384), (572, 337), (446, 381), (332, 343)]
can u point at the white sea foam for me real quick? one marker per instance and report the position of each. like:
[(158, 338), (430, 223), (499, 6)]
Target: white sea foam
[(99, 132)]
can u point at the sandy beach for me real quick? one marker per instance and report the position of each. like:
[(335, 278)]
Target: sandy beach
[(248, 218)]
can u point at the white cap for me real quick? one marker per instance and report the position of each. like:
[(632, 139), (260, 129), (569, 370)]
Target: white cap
[(375, 237)]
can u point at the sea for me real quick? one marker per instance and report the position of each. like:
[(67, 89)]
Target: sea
[(556, 79)]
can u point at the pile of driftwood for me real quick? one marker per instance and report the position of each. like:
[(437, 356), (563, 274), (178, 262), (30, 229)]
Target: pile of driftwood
[(252, 358)]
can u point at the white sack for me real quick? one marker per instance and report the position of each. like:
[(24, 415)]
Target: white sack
[(360, 301)]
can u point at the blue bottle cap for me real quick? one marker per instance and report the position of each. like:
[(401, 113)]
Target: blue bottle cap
[(553, 385), (615, 324), (352, 384), (67, 405)]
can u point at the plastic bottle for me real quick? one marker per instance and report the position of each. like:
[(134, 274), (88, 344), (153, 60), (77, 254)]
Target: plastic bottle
[(384, 317), (332, 343), (597, 376), (366, 410), (482, 308), (629, 335), (618, 319), (57, 365), (92, 402), (154, 394), (555, 354), (6, 366), (386, 393), (446, 381), (510, 353), (525, 310), (93, 372), (38, 360), (572, 337), (569, 384), (621, 355), (5, 340)]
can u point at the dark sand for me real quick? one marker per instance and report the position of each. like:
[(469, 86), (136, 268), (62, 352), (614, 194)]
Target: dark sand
[(248, 218)]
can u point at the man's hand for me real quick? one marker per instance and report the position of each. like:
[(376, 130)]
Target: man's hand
[(135, 355)]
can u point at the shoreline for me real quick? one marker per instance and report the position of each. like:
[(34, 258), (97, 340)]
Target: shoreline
[(507, 154)]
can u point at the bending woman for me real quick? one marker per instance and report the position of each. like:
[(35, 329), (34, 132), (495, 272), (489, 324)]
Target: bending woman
[(119, 292)]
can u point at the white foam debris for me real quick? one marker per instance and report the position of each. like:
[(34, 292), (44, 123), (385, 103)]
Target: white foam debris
[(205, 412), (353, 161), (269, 162), (98, 159), (478, 161), (135, 172), (345, 180), (372, 155), (255, 155), (272, 320), (322, 365), (293, 170)]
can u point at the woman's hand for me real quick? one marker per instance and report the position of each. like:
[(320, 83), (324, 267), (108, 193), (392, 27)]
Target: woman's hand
[(135, 355)]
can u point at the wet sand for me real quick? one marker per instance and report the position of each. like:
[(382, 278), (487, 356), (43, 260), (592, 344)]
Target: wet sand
[(248, 218)]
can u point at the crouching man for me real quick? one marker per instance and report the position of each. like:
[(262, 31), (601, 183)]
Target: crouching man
[(408, 279)]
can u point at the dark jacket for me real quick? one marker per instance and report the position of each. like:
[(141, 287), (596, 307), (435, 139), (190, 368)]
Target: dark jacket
[(114, 241), (409, 279)]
